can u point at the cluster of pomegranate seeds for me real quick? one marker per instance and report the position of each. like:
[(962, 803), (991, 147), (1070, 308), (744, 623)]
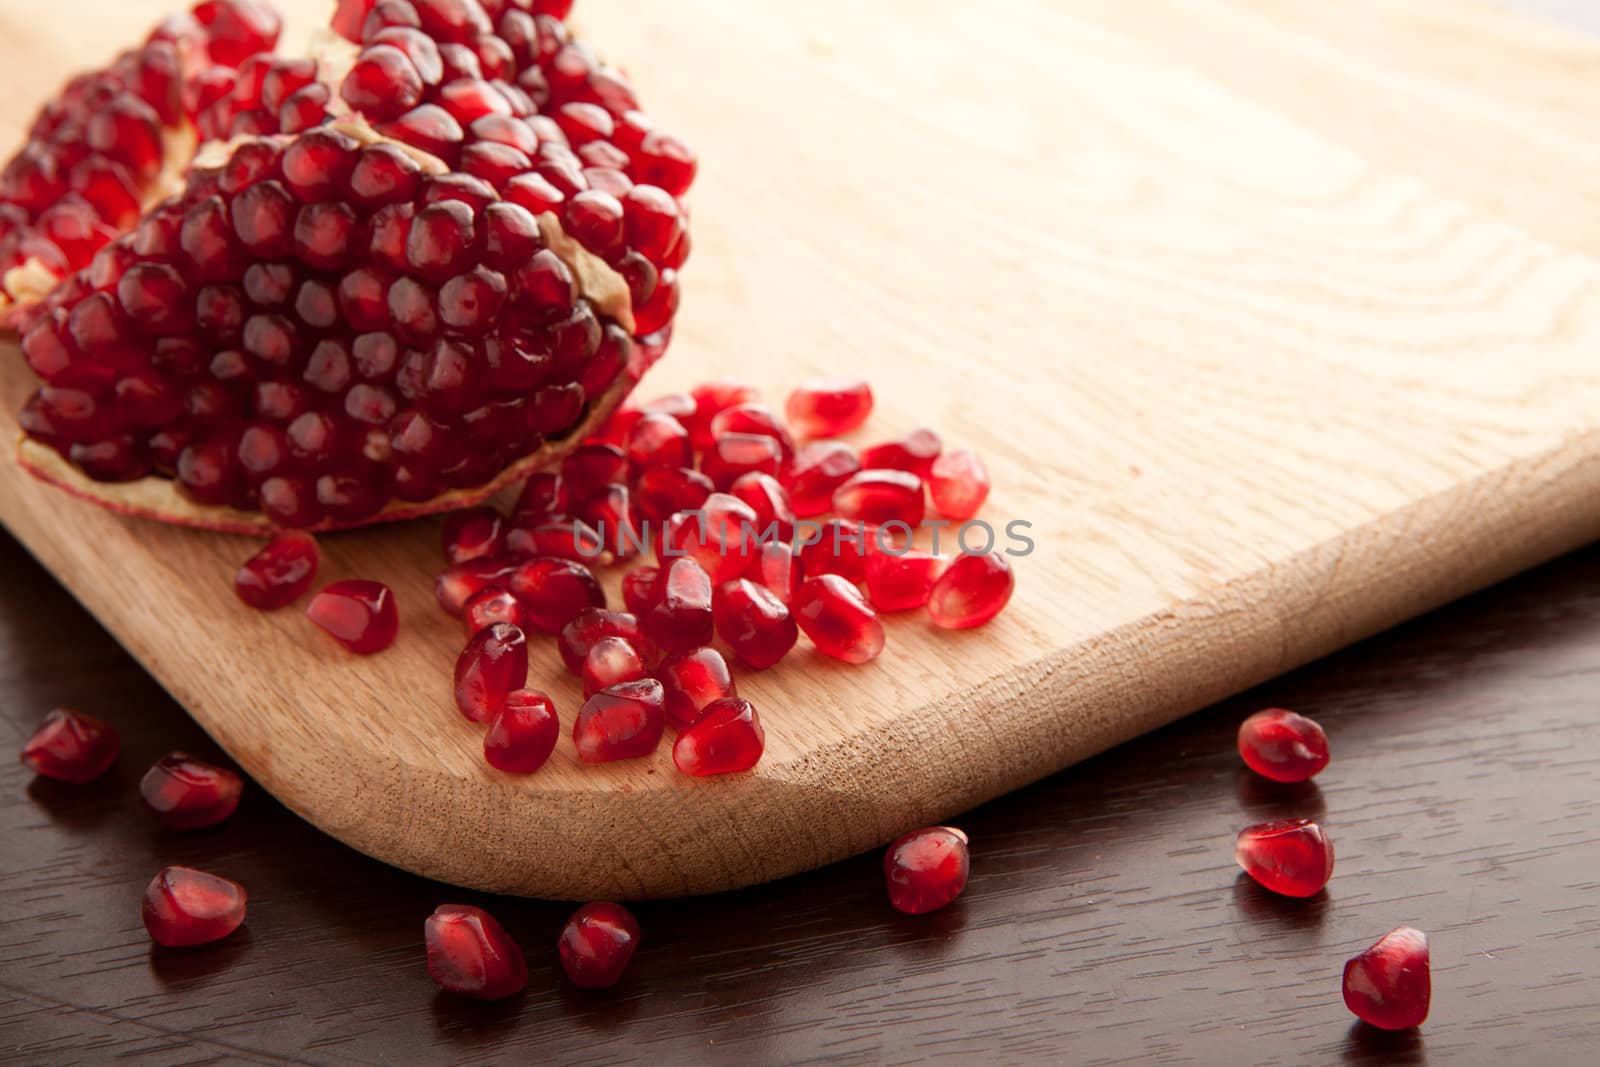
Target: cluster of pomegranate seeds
[(188, 793), (279, 574), (597, 944), (470, 953), (1390, 985), (183, 907), (1282, 745), (71, 747), (1288, 856), (926, 869), (359, 614)]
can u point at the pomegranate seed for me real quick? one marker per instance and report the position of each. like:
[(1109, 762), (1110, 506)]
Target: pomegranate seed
[(1283, 746), (725, 739), (658, 441), (779, 568), (971, 591), (915, 452), (958, 482), (597, 944), (279, 574), (881, 497), (692, 681), (554, 591), (838, 620), (611, 661), (359, 614), (523, 734), (711, 399), (541, 495), (470, 954), (494, 663), (765, 496), (1289, 856), (461, 581), (188, 793), (754, 622), (926, 869), (755, 419), (734, 455), (623, 722), (819, 469), (471, 534), (901, 582), (665, 162), (183, 906), (588, 627), (663, 492), (840, 548), (489, 606), (828, 407), (383, 83), (720, 536), (640, 589), (592, 467), (681, 617), (1390, 985), (72, 747), (559, 536)]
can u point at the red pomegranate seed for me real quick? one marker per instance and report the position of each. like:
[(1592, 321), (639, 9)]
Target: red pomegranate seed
[(523, 734), (597, 944), (839, 622), (720, 536), (1288, 856), (766, 496), (471, 534), (658, 441), (915, 452), (640, 589), (72, 747), (734, 455), (780, 569), (559, 536), (542, 495), (461, 581), (828, 407), (681, 617), (754, 622), (279, 574), (881, 497), (901, 582), (188, 793), (691, 681), (841, 548), (971, 591), (727, 738), (623, 722), (183, 906), (1390, 985), (554, 591), (926, 869), (1283, 746), (359, 614), (591, 467), (958, 482), (756, 419), (662, 492), (611, 661), (710, 400), (589, 626), (494, 663), (470, 954), (489, 606), (818, 469)]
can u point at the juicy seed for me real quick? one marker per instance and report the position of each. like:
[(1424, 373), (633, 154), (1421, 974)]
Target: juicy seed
[(881, 497), (901, 582), (494, 663), (819, 469), (681, 618), (838, 620), (188, 793), (1390, 985), (780, 569), (971, 591), (692, 681), (726, 739), (183, 906), (926, 869), (611, 661), (554, 591), (71, 747), (279, 574), (958, 482), (721, 536), (359, 614), (824, 407), (1289, 856), (915, 452), (471, 534), (754, 622), (523, 734), (1283, 746), (470, 954), (489, 606), (591, 625), (597, 944), (623, 722)]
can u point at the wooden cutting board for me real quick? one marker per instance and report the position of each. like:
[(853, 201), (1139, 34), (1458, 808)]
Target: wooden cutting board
[(1278, 321)]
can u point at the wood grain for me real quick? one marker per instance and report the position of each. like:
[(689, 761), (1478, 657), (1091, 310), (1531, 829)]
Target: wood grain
[(1263, 376)]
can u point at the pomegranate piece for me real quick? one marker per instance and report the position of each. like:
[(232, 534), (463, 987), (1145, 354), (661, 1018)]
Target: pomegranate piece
[(359, 614), (623, 722), (1292, 857), (880, 497), (818, 470), (971, 591), (554, 591), (523, 733), (470, 954), (915, 452), (597, 944), (663, 492), (460, 582), (542, 496), (591, 625), (754, 622), (721, 537), (734, 455), (1283, 746), (472, 534), (926, 869), (958, 482), (188, 793), (494, 663), (71, 747), (279, 574), (489, 606), (901, 582), (611, 661), (1390, 985), (828, 407), (183, 906), (839, 547), (780, 569), (641, 587), (757, 420), (766, 496), (691, 681), (725, 739), (658, 441), (838, 620), (681, 617), (710, 400)]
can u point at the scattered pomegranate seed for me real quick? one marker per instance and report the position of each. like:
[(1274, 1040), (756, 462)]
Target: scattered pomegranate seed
[(734, 455), (188, 793), (720, 537), (691, 682), (840, 548), (588, 627), (470, 954), (542, 495), (926, 869), (766, 496), (818, 470), (554, 591), (681, 617), (359, 614), (958, 482), (828, 407), (489, 606), (727, 738), (753, 419), (611, 661), (1283, 746), (460, 582), (663, 492), (658, 441), (915, 452), (494, 663), (881, 496), (640, 589), (971, 591), (279, 574), (1289, 856), (754, 622), (623, 722), (183, 906), (709, 401), (72, 747), (523, 733), (901, 582), (472, 534), (597, 944), (780, 569), (1390, 985), (839, 622)]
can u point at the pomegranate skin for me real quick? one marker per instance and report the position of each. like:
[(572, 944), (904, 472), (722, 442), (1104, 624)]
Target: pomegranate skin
[(183, 907), (1283, 746), (1291, 857), (471, 955), (71, 747), (926, 869), (187, 793), (1390, 985), (597, 944)]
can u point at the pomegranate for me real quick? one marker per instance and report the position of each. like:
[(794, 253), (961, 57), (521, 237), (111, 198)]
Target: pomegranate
[(725, 739), (72, 747), (597, 944), (901, 582), (681, 618), (470, 953), (588, 627), (1390, 985), (926, 869), (1283, 746), (491, 605), (755, 623), (958, 482), (838, 620), (183, 906), (611, 661), (1288, 856), (915, 452), (188, 793)]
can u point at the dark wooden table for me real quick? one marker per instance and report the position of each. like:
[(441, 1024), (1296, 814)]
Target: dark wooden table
[(1105, 921)]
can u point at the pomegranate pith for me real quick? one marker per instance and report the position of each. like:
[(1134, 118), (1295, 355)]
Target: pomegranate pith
[(597, 944), (1292, 857), (1282, 745), (523, 733), (71, 747), (623, 722), (279, 574), (725, 739), (1390, 985), (470, 954), (183, 906), (188, 793), (926, 869)]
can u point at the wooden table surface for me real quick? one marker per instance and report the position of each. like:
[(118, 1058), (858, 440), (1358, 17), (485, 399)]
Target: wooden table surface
[(1105, 921)]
